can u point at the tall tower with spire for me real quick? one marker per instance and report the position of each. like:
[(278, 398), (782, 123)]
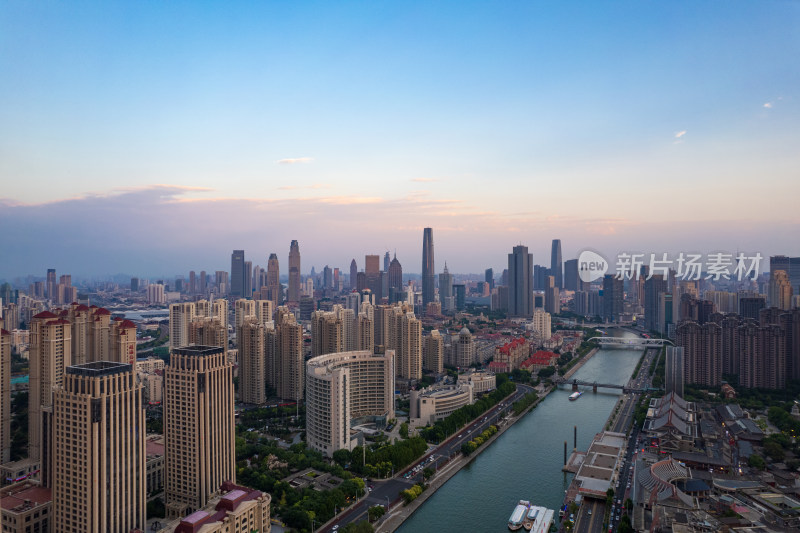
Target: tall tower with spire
[(428, 269), (274, 280), (446, 290), (353, 274), (556, 265)]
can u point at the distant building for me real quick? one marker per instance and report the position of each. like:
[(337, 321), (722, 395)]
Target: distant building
[(481, 381), (433, 353), (520, 274), (556, 266), (437, 402), (673, 370), (428, 267), (612, 297)]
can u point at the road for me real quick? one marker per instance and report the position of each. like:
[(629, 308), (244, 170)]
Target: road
[(593, 522), (388, 491)]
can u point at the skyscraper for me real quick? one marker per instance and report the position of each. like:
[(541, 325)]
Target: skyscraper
[(372, 270), (428, 268), (446, 290), (612, 297), (395, 280), (289, 345), (5, 395), (520, 276), (252, 361), (653, 287), (433, 356), (99, 450), (488, 277), (199, 427), (572, 282), (780, 290), (294, 272), (386, 260), (274, 280), (353, 274), (238, 275), (556, 266)]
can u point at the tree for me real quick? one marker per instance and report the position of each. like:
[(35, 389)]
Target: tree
[(376, 512), (358, 527), (756, 461), (629, 505), (404, 430), (427, 472), (342, 456)]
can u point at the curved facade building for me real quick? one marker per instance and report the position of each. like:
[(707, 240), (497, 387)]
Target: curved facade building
[(342, 387)]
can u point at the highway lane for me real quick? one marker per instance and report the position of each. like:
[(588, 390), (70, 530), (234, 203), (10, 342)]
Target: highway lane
[(442, 454)]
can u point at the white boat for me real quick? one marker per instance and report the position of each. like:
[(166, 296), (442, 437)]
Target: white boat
[(574, 396), (518, 516)]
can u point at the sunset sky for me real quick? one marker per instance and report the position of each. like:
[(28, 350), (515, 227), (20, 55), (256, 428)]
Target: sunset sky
[(151, 138)]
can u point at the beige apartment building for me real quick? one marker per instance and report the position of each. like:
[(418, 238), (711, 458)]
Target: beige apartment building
[(5, 396), (99, 450), (343, 387), (252, 362), (198, 427), (433, 353)]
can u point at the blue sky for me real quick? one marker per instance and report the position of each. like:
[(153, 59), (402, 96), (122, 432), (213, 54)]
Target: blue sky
[(351, 125)]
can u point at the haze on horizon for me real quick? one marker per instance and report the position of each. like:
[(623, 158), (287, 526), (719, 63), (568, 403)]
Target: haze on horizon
[(152, 139)]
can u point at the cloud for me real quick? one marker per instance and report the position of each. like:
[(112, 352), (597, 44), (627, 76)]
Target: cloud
[(294, 160), (424, 180), (314, 186), (680, 134), (768, 105)]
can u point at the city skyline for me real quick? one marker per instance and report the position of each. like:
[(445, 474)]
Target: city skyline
[(473, 120)]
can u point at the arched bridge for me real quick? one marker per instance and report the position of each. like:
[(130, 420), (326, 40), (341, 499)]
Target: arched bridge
[(618, 342)]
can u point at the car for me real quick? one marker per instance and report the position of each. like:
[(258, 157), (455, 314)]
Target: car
[(460, 435), (335, 527), (589, 512)]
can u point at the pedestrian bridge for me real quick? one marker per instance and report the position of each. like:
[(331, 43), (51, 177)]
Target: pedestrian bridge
[(618, 342)]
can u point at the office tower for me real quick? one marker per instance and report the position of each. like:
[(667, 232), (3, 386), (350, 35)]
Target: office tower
[(327, 334), (52, 285), (134, 284), (5, 396), (750, 307), (673, 371), (780, 290), (459, 296), (790, 265), (520, 274), (666, 321), (252, 362), (50, 353), (464, 349), (552, 297), (433, 353), (428, 267), (488, 277), (702, 352), (203, 287), (353, 274), (408, 346), (237, 274), (372, 271), (612, 297), (556, 266), (386, 260), (327, 278), (580, 303), (274, 279), (192, 282), (446, 290), (540, 274), (180, 315), (395, 274), (653, 288), (289, 343), (366, 333), (247, 280), (99, 480), (198, 427), (343, 387), (243, 309), (572, 281), (294, 272)]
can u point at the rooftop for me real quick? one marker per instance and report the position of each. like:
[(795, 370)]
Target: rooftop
[(24, 495), (198, 350), (99, 368)]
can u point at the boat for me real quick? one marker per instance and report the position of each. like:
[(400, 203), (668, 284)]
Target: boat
[(575, 395), (517, 518)]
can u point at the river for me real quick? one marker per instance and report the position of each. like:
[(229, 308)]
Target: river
[(525, 462)]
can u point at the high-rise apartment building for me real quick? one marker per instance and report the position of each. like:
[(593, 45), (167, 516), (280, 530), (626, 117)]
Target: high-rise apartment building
[(327, 335), (673, 370), (520, 276), (408, 344), (780, 290), (552, 297), (199, 427), (342, 387), (433, 353), (52, 284), (702, 352), (252, 362), (542, 324), (294, 272), (428, 267), (5, 396), (556, 265), (180, 316), (242, 310), (464, 349), (289, 346), (790, 265), (751, 306), (366, 332), (99, 451), (49, 355)]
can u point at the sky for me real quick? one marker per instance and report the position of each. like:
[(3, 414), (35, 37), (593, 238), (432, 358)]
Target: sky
[(152, 138)]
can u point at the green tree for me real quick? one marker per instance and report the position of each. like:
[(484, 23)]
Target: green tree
[(756, 461), (427, 472), (376, 512), (342, 456), (404, 430)]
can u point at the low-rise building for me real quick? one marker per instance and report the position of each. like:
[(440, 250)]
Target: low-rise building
[(237, 509), (155, 463), (539, 360), (481, 381), (437, 402), (26, 507)]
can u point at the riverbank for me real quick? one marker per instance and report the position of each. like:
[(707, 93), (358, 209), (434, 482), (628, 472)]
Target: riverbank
[(577, 366), (395, 518)]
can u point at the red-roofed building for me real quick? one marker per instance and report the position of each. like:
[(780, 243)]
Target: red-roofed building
[(512, 353), (26, 506), (237, 509), (499, 366), (538, 361)]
